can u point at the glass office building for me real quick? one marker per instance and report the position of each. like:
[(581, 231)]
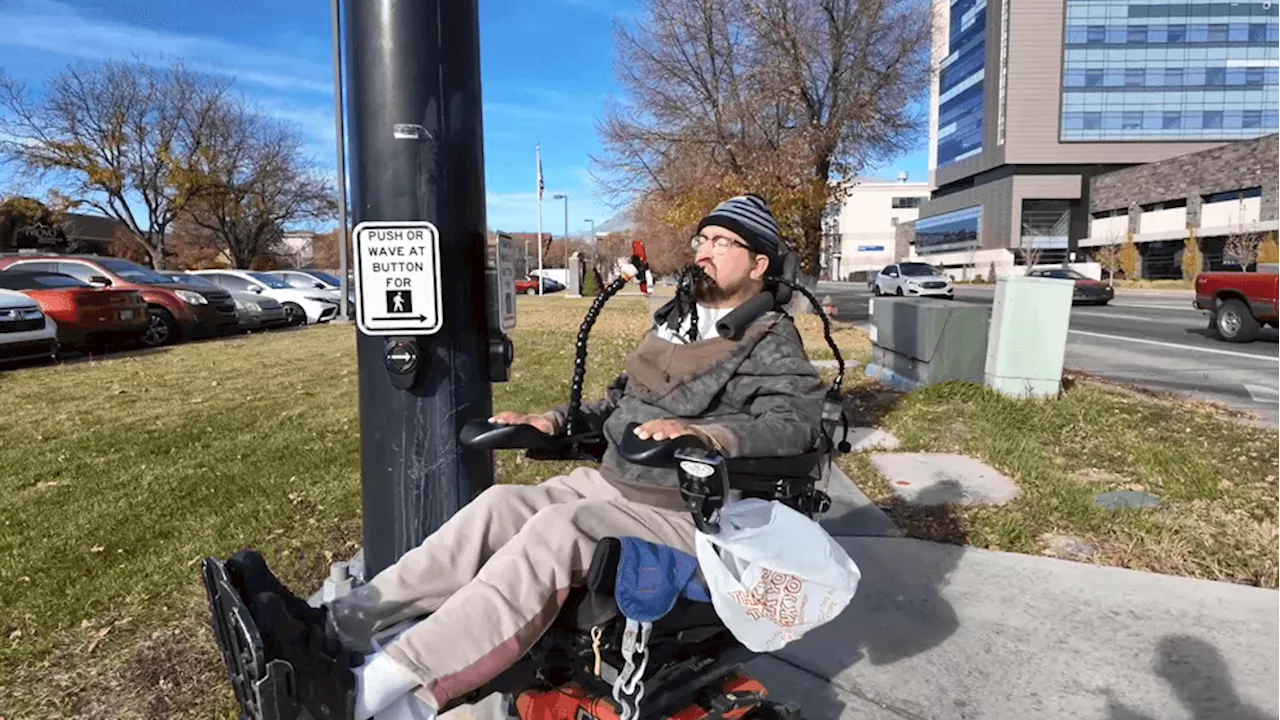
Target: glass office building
[(960, 84), (1157, 71)]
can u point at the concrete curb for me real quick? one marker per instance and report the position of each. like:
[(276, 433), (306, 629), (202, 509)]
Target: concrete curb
[(833, 365), (852, 513), (890, 378)]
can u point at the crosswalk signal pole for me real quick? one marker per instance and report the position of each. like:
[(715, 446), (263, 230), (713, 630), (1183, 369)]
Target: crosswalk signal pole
[(417, 186)]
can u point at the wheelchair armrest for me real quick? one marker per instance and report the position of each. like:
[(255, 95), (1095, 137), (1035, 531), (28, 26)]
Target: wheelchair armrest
[(484, 435), (653, 453), (794, 466), (661, 453)]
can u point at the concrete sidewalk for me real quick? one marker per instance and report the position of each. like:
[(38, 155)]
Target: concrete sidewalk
[(949, 632), (945, 632), (955, 633)]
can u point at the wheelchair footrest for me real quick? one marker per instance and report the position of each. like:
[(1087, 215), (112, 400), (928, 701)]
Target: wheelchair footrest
[(263, 688)]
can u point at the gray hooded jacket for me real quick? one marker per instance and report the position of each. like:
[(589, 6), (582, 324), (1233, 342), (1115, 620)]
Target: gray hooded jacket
[(758, 396)]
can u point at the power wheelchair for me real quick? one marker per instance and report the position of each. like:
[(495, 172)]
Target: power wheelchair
[(590, 665)]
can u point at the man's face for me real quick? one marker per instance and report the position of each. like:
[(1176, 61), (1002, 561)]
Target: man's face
[(733, 269)]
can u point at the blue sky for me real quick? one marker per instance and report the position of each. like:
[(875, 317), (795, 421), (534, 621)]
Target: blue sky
[(547, 67)]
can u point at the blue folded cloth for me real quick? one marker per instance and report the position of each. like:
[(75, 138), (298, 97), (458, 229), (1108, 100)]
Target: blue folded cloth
[(652, 577)]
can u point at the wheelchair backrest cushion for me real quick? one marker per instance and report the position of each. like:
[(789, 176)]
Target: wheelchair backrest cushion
[(652, 577)]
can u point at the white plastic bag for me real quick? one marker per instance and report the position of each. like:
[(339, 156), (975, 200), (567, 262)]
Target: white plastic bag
[(773, 573)]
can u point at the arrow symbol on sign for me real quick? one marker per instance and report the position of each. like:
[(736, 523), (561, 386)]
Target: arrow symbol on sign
[(400, 357), (420, 318)]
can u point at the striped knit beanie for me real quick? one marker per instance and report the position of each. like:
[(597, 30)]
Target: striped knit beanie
[(749, 216)]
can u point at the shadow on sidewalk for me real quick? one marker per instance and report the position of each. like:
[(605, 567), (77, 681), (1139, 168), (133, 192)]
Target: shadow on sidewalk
[(898, 611), (1200, 678)]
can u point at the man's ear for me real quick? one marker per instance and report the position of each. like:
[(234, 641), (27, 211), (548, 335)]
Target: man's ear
[(761, 266)]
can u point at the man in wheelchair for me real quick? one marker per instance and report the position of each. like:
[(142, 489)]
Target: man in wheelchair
[(486, 586)]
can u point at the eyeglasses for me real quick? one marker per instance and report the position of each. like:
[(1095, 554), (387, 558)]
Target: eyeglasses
[(720, 244)]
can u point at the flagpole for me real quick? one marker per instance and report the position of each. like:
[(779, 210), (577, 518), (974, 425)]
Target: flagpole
[(541, 278)]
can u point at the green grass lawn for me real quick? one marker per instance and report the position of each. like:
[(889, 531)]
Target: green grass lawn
[(120, 475)]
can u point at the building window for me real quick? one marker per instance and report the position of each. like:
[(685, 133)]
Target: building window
[(906, 202), (961, 84), (1232, 195), (1117, 212), (949, 232), (1145, 70), (1045, 223), (1165, 205)]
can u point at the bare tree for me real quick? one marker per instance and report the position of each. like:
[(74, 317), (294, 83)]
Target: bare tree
[(1109, 259), (123, 138), (666, 245), (258, 184), (783, 98), (1242, 247), (1030, 253)]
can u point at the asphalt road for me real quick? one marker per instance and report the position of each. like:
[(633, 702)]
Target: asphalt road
[(1157, 340)]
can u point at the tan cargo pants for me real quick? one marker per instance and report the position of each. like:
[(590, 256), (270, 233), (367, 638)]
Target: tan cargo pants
[(495, 576)]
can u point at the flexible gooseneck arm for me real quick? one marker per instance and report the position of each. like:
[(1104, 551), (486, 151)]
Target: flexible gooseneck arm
[(826, 329), (575, 421)]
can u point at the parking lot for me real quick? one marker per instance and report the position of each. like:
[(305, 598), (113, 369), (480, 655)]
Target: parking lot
[(64, 307)]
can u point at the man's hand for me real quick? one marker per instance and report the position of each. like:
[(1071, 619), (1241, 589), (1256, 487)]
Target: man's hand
[(514, 418), (666, 430)]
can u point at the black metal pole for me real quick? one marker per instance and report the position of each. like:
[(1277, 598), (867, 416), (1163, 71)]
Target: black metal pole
[(417, 155)]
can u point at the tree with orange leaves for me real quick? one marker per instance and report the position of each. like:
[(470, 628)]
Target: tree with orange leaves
[(783, 98)]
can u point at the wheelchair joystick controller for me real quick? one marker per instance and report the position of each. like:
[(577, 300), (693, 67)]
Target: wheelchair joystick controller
[(704, 485)]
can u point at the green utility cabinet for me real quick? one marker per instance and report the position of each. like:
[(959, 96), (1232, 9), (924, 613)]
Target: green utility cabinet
[(921, 341), (1029, 323)]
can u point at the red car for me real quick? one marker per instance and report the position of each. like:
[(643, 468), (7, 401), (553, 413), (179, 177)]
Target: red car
[(177, 310), (1087, 292), (529, 286), (1240, 302), (85, 315)]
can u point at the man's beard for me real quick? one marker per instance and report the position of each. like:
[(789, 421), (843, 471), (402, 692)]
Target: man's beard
[(706, 289)]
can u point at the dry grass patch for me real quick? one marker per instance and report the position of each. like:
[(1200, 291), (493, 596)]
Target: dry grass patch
[(1217, 477)]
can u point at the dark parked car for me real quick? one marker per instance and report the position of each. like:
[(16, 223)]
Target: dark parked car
[(1088, 291), (177, 310)]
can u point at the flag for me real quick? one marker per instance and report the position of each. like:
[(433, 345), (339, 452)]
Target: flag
[(542, 184)]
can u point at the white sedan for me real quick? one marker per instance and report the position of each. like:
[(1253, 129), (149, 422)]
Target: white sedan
[(913, 280), (25, 331), (300, 306)]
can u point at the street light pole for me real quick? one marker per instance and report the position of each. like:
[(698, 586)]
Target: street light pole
[(336, 7), (565, 197)]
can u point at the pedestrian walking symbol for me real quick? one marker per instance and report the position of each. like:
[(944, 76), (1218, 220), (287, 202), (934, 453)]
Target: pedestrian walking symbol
[(399, 301)]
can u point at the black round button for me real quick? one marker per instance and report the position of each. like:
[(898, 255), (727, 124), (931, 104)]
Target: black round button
[(401, 357)]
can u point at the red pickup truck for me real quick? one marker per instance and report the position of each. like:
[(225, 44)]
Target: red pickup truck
[(1240, 302)]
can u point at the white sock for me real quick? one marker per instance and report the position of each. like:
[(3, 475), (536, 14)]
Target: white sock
[(380, 681)]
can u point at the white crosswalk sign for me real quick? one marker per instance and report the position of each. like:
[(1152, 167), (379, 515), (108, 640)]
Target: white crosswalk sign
[(398, 278)]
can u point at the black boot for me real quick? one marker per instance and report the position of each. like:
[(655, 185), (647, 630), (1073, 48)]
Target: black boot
[(322, 678), (248, 571)]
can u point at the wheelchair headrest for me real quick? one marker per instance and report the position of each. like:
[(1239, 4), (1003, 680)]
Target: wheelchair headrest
[(775, 296), (788, 269)]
